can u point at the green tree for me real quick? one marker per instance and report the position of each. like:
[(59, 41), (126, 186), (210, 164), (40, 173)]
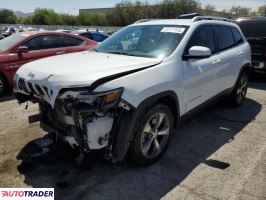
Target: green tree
[(261, 10), (43, 16), (209, 9), (7, 17), (240, 11)]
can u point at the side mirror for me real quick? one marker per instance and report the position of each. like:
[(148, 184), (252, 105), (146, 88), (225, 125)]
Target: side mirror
[(22, 49), (198, 52)]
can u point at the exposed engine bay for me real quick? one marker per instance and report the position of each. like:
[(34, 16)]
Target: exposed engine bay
[(84, 119)]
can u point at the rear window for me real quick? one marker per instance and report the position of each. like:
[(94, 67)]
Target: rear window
[(68, 41), (253, 28), (10, 41), (237, 36), (97, 37), (224, 37)]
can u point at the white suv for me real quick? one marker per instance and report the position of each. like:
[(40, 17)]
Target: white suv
[(128, 94)]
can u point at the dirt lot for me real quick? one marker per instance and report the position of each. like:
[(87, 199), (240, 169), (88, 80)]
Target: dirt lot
[(219, 154)]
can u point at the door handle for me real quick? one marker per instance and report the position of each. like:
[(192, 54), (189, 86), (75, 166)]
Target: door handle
[(60, 52), (216, 61), (240, 53)]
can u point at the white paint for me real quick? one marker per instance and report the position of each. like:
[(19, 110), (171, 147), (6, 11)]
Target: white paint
[(99, 128), (199, 51), (177, 30)]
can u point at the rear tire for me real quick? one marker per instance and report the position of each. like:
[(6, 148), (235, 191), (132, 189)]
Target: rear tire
[(153, 131), (240, 91), (3, 85)]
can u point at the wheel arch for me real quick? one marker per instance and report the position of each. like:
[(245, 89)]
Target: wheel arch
[(245, 68), (125, 131), (5, 77)]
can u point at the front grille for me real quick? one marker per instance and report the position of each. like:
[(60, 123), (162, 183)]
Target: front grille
[(31, 87), (22, 85), (38, 88), (34, 89)]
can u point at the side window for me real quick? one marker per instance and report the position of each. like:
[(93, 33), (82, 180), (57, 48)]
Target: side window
[(237, 36), (86, 35), (203, 36), (43, 42), (51, 41), (97, 37), (224, 37), (34, 44), (71, 41)]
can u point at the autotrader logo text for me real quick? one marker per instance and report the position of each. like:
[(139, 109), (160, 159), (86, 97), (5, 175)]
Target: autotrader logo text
[(26, 193)]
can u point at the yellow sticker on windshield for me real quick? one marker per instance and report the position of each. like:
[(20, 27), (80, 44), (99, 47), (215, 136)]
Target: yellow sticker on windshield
[(178, 30)]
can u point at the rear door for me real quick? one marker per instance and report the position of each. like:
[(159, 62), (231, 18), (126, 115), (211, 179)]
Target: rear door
[(228, 57), (39, 47), (200, 73)]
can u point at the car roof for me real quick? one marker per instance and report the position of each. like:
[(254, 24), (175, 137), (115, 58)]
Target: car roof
[(184, 22), (33, 33), (187, 22)]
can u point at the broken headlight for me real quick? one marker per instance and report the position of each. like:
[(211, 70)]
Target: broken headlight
[(87, 101)]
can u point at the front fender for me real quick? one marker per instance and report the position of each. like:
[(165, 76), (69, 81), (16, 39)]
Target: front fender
[(126, 128)]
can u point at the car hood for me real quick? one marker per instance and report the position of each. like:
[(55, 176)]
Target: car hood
[(79, 69)]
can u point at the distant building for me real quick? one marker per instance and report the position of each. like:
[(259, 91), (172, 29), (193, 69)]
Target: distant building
[(95, 11)]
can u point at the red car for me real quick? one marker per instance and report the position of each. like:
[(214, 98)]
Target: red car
[(22, 48)]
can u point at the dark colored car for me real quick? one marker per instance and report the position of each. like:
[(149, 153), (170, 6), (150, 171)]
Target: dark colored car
[(22, 48), (96, 36), (254, 28)]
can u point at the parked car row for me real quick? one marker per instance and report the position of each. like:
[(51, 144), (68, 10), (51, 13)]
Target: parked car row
[(93, 34), (127, 95)]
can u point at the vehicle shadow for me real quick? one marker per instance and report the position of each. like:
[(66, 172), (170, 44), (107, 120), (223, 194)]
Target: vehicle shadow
[(258, 81), (192, 144), (7, 97)]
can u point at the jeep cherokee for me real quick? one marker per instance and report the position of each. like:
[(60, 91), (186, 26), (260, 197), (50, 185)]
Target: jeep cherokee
[(128, 94)]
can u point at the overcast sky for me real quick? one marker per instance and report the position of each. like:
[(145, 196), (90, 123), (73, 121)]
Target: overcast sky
[(72, 6)]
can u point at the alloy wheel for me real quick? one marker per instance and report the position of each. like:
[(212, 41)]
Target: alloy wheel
[(1, 85), (242, 89), (155, 135)]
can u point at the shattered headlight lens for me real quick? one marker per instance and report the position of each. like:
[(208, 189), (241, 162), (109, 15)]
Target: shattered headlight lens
[(94, 99)]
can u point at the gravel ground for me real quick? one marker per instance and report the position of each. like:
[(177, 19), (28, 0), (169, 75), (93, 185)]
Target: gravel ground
[(218, 154)]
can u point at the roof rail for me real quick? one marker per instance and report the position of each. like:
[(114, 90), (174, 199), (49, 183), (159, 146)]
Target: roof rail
[(145, 20), (199, 18)]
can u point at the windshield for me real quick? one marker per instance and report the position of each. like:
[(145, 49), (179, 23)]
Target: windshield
[(253, 28), (8, 42), (144, 41)]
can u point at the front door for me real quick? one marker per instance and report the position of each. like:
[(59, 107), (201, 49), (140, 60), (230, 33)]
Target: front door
[(199, 83)]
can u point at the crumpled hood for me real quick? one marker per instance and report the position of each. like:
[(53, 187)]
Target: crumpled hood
[(79, 69)]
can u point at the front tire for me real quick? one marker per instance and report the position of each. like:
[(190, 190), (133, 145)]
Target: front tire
[(3, 85), (240, 91), (152, 135)]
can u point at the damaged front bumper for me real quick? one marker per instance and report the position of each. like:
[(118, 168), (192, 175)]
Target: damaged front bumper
[(84, 119)]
